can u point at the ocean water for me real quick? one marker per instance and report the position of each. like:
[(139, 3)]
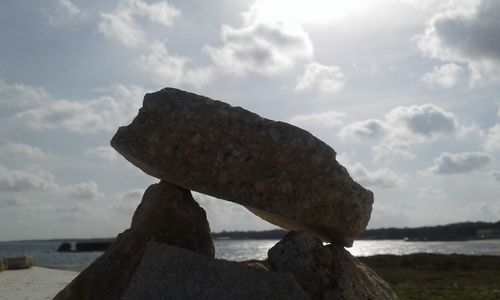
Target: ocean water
[(46, 255)]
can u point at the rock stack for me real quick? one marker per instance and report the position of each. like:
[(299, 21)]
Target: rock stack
[(279, 172)]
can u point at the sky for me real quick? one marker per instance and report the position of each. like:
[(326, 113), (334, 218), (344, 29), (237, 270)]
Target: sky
[(405, 91)]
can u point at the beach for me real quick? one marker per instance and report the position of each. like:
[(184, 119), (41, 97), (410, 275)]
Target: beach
[(415, 276), (35, 283)]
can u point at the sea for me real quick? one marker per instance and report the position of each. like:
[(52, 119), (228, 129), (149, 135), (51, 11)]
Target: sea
[(46, 255)]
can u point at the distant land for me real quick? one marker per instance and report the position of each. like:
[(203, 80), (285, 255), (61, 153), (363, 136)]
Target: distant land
[(451, 232)]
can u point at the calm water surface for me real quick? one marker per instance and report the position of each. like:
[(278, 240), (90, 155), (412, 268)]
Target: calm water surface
[(46, 255)]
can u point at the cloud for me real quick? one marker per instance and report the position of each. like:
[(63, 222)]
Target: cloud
[(20, 96), (128, 201), (455, 163), (466, 36), (105, 113), (496, 175), (359, 130), (14, 202), (429, 192), (166, 69), (492, 143), (324, 79), (20, 180), (445, 76), (426, 120), (401, 128), (12, 149), (103, 152), (62, 12), (328, 119), (260, 47), (387, 150), (484, 211), (84, 190), (384, 178), (121, 24)]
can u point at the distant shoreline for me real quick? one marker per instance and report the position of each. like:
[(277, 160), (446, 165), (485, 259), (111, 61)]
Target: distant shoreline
[(467, 231)]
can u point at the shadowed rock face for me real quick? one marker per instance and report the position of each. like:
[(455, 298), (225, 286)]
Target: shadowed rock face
[(326, 272), (167, 272), (280, 172), (167, 214)]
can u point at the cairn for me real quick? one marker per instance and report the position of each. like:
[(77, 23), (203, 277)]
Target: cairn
[(279, 172)]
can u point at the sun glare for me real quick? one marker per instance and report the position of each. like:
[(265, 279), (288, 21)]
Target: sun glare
[(309, 11)]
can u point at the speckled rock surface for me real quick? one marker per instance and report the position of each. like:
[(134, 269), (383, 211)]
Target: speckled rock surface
[(167, 272), (280, 172), (167, 214), (326, 272)]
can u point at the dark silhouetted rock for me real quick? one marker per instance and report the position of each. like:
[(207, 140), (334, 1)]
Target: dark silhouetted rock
[(64, 247), (17, 263), (92, 246), (167, 214), (326, 272), (279, 172), (167, 272)]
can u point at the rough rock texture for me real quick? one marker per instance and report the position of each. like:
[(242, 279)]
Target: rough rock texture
[(326, 272), (167, 214), (167, 272), (17, 263), (280, 172)]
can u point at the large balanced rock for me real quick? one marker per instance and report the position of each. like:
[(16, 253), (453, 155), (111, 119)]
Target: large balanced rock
[(167, 272), (280, 172), (167, 214), (326, 272)]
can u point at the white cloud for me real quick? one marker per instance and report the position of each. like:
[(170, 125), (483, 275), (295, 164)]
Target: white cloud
[(328, 119), (121, 24), (359, 130), (128, 201), (445, 76), (103, 152), (21, 150), (325, 79), (20, 96), (496, 175), (263, 48), (63, 11), (15, 202), (455, 163), (21, 180), (423, 121), (167, 69), (387, 150), (155, 60), (401, 128), (484, 211), (492, 143), (384, 178), (122, 28), (84, 190), (429, 192), (467, 36), (105, 113)]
